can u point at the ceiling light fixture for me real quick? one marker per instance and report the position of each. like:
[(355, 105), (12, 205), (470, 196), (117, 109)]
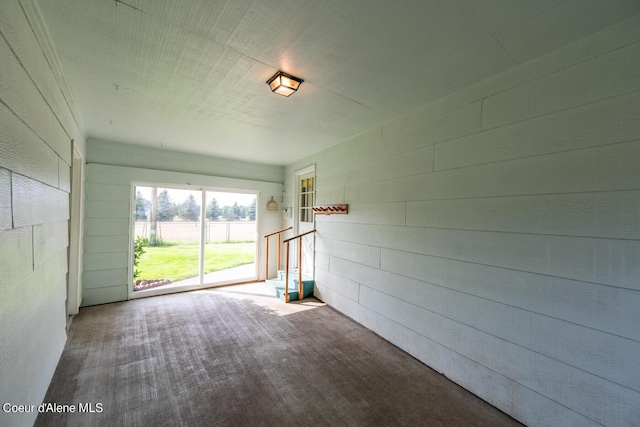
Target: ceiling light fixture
[(284, 84)]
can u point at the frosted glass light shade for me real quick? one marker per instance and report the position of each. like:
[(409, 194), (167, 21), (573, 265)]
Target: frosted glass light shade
[(284, 84)]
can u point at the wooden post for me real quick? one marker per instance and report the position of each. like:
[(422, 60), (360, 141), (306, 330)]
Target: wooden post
[(300, 287), (279, 244), (286, 276), (266, 267)]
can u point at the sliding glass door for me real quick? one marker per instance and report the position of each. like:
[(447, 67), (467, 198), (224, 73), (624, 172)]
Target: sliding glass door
[(188, 238), (230, 237)]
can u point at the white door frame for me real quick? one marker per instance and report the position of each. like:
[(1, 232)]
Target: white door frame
[(76, 227), (296, 198), (309, 259)]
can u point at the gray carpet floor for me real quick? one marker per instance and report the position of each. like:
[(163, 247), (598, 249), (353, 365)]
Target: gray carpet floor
[(236, 356)]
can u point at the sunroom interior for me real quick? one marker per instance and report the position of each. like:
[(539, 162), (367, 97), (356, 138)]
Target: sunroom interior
[(488, 153)]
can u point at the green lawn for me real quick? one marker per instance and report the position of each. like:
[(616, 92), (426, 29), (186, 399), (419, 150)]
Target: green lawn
[(180, 261)]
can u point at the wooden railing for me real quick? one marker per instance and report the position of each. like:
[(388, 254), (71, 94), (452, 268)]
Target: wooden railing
[(286, 277), (279, 233)]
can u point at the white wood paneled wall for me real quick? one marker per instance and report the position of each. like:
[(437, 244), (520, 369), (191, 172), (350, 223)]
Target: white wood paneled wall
[(495, 234), (36, 130), (119, 154), (107, 269)]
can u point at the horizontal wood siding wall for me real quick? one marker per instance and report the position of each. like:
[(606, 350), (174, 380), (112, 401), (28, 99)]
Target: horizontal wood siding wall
[(118, 154), (107, 270), (36, 130), (495, 234)]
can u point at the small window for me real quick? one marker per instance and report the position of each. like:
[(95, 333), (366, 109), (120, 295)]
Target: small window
[(307, 189)]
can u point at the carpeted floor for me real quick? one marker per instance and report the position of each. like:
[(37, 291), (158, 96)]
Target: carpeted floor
[(236, 356)]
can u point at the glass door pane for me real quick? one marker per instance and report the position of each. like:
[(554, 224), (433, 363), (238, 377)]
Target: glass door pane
[(167, 238), (230, 237), (306, 199)]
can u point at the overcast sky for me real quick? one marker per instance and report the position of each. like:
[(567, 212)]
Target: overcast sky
[(223, 198)]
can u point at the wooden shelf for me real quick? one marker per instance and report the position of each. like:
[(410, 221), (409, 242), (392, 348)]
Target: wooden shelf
[(331, 209)]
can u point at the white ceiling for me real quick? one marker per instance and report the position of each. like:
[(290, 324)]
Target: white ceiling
[(189, 75)]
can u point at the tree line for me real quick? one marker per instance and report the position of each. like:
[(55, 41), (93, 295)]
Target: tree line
[(189, 210)]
